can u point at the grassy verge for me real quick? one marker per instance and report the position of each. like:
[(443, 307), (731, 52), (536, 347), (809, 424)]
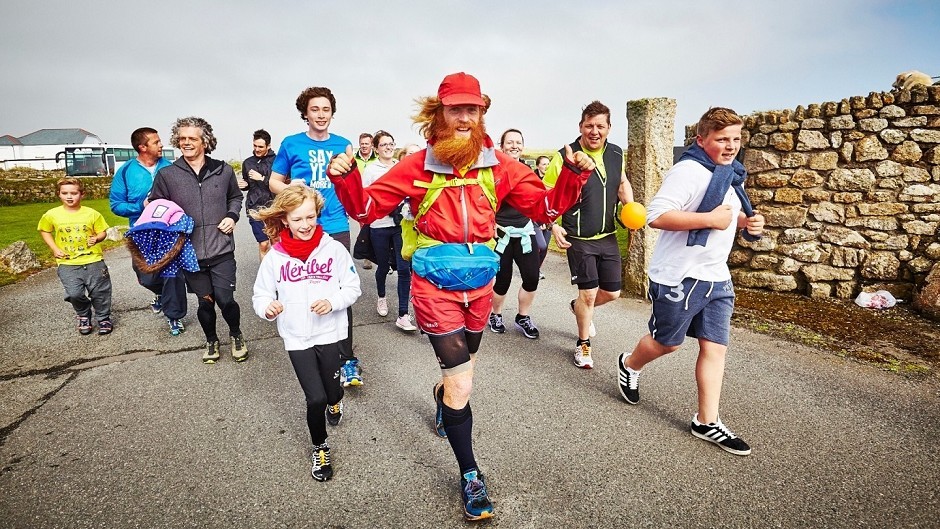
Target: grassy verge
[(19, 224)]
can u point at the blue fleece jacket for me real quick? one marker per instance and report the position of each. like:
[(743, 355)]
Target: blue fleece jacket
[(129, 188)]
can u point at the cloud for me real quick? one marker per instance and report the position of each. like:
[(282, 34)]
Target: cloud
[(110, 67)]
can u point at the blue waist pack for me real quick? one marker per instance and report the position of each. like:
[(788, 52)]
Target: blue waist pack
[(455, 266)]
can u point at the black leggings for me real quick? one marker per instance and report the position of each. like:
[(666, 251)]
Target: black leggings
[(231, 313), (317, 370), (528, 264)]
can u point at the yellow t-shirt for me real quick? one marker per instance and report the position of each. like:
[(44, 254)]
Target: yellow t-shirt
[(71, 230)]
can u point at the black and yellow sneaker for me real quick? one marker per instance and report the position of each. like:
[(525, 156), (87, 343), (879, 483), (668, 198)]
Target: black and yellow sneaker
[(334, 413), (211, 353), (322, 469), (239, 349)]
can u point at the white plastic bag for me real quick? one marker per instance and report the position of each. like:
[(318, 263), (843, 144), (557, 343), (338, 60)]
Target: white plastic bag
[(881, 299)]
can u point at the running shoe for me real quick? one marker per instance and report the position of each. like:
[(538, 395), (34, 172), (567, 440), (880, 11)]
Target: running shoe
[(476, 502), (239, 349), (592, 330), (322, 469), (176, 327), (439, 414), (105, 327), (629, 381), (719, 434), (84, 325), (334, 413), (582, 356), (496, 323), (404, 323), (352, 373), (524, 324), (381, 306), (157, 304), (212, 352)]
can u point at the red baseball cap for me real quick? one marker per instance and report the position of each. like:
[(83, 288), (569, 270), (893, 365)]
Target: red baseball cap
[(460, 89)]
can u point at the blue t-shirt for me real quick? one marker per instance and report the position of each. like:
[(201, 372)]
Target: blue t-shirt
[(301, 158)]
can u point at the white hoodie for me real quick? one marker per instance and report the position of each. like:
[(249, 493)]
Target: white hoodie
[(329, 273)]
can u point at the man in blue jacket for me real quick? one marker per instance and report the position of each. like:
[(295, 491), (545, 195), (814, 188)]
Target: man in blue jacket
[(128, 197)]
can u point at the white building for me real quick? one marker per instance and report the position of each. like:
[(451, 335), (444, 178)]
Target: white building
[(38, 150)]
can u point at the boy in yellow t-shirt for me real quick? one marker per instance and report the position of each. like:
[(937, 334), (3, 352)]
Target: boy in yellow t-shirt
[(72, 231)]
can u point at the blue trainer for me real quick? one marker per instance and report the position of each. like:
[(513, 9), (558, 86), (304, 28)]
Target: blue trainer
[(352, 373), (176, 327), (157, 304), (439, 414), (476, 503)]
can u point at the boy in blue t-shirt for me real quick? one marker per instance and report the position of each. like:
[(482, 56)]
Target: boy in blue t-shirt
[(304, 157)]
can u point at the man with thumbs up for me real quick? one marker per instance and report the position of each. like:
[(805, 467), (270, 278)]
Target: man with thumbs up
[(454, 188)]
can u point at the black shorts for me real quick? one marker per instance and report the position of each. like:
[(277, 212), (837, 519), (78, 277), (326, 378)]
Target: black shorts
[(213, 274), (257, 229), (595, 263)]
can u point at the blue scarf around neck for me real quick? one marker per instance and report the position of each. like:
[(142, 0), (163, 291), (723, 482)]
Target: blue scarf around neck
[(723, 177)]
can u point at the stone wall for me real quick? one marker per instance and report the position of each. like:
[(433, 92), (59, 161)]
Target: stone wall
[(29, 186), (851, 194)]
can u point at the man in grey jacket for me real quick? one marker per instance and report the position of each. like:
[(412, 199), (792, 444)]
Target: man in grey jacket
[(207, 191)]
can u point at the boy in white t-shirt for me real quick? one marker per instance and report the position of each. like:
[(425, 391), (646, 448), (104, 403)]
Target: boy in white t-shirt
[(700, 207)]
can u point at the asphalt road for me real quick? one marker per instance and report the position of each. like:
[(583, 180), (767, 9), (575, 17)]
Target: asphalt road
[(132, 430)]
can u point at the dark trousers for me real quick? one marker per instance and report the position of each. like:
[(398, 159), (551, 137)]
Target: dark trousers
[(172, 292), (384, 242), (346, 346)]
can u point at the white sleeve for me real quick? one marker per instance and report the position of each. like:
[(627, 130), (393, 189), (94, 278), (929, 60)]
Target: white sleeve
[(682, 190), (265, 290)]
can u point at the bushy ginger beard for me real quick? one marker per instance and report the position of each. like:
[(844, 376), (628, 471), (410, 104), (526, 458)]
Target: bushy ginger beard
[(453, 150)]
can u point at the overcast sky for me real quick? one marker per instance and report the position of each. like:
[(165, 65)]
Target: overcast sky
[(110, 67)]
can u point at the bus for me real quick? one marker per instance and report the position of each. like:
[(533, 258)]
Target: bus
[(99, 160)]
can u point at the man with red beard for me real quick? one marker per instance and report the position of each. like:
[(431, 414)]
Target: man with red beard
[(465, 180)]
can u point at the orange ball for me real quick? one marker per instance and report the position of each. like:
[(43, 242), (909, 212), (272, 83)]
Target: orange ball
[(633, 215)]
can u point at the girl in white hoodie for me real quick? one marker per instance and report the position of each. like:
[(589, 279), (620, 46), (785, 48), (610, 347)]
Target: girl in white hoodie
[(305, 283)]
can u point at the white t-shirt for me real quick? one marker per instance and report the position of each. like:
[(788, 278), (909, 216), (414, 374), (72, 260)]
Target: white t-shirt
[(370, 174), (683, 189)]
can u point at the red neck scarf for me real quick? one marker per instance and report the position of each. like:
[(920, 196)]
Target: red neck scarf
[(297, 248)]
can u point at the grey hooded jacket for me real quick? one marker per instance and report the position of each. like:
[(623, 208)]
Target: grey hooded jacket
[(208, 198)]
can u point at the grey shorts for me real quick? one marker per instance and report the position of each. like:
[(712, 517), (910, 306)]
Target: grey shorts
[(699, 309)]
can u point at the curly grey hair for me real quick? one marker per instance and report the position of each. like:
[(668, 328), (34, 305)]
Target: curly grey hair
[(208, 138)]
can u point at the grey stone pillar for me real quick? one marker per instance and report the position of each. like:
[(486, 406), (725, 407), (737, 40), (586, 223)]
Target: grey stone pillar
[(650, 139)]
